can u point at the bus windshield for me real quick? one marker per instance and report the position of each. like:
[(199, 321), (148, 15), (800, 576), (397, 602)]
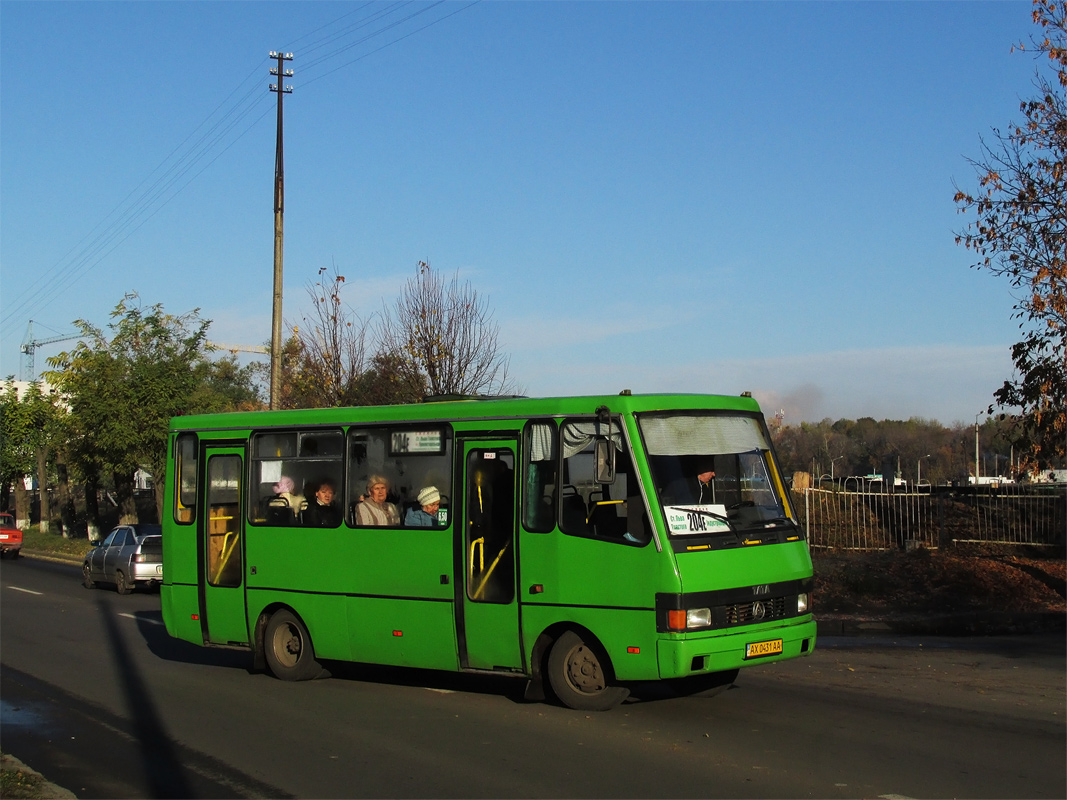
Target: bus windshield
[(713, 474)]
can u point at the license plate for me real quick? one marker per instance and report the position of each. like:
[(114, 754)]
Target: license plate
[(758, 649)]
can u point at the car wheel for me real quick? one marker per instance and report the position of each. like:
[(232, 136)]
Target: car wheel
[(122, 585), (289, 652), (577, 676), (87, 577)]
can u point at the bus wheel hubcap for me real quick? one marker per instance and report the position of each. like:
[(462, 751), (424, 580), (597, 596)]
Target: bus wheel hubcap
[(287, 645), (584, 671)]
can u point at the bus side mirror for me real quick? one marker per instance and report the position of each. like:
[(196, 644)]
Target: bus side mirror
[(603, 461)]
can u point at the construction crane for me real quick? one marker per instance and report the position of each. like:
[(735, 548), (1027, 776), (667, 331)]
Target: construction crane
[(29, 345), (239, 348)]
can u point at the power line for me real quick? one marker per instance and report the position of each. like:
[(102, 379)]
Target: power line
[(179, 168)]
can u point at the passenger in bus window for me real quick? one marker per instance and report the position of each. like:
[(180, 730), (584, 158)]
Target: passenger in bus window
[(375, 509), (285, 496), (322, 512), (426, 516), (698, 489)]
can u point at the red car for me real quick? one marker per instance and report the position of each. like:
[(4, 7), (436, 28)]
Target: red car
[(10, 537)]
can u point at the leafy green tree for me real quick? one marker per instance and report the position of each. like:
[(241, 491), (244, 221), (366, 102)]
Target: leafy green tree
[(28, 425), (122, 389), (1019, 232)]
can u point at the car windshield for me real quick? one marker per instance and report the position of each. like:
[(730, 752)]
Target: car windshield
[(143, 529), (712, 473)]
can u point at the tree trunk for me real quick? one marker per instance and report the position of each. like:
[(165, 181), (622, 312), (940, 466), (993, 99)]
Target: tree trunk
[(125, 499), (42, 488), (22, 504), (64, 497), (92, 508), (157, 493)]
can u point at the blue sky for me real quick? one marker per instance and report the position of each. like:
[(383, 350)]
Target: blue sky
[(698, 196)]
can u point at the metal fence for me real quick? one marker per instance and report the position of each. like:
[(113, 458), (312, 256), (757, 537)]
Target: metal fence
[(871, 517)]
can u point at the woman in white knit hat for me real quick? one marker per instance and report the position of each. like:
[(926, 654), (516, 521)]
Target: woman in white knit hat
[(425, 517)]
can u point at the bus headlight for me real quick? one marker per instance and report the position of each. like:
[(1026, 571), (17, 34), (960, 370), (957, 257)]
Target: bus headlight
[(697, 618), (683, 620), (802, 603)]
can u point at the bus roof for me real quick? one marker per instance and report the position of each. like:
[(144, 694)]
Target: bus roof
[(511, 407)]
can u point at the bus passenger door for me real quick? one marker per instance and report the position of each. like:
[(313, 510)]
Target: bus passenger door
[(488, 625), (221, 528)]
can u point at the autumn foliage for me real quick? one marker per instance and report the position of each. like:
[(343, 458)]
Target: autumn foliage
[(1019, 232)]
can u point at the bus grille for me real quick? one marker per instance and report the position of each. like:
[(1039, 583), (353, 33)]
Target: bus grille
[(758, 611)]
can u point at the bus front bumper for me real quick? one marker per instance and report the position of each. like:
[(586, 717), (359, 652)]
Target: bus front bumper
[(716, 651)]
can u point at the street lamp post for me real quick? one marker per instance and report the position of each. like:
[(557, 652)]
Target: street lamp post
[(832, 460), (919, 470), (977, 471)]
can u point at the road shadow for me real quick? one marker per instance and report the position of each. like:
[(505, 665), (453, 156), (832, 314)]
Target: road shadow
[(162, 645), (162, 769), (511, 688)]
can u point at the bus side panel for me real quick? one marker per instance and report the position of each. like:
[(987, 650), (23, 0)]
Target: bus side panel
[(181, 612), (606, 587), (402, 632), (366, 583), (366, 561), (179, 595), (629, 637), (324, 616)]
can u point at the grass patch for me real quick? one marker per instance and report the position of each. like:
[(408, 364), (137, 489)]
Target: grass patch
[(33, 539), (15, 782)]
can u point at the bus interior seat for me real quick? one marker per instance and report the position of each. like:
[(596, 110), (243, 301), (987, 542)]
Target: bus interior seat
[(572, 511)]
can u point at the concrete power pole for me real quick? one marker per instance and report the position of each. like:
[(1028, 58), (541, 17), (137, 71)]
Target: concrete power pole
[(279, 210)]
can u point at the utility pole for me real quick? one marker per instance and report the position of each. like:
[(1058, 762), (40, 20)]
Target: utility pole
[(279, 210)]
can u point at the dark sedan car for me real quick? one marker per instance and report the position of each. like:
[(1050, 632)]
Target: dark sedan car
[(129, 556)]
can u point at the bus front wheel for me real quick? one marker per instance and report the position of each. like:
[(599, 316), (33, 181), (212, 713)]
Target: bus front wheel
[(577, 676), (290, 654)]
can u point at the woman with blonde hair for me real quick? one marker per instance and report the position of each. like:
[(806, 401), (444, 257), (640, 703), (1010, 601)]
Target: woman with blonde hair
[(375, 509)]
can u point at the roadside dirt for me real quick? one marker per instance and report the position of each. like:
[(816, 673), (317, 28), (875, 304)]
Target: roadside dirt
[(934, 582)]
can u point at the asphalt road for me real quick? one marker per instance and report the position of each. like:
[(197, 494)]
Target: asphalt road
[(97, 697)]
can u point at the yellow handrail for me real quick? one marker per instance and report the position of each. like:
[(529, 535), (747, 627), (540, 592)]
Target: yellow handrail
[(489, 572)]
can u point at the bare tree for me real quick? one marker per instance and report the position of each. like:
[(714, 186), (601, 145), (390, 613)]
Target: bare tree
[(325, 359), (445, 332)]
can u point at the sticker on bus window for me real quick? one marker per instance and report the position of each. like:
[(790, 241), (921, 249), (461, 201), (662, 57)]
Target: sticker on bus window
[(404, 442), (697, 519)]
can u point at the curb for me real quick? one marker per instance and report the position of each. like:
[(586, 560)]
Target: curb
[(46, 789), (968, 623), (59, 558)]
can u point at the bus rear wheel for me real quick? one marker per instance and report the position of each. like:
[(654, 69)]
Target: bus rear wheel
[(288, 649), (578, 678)]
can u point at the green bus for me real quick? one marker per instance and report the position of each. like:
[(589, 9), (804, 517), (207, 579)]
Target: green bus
[(586, 544)]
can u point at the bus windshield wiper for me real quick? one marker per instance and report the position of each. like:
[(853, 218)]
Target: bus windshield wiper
[(703, 513)]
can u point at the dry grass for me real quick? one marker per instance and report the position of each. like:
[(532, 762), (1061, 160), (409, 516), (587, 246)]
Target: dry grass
[(925, 581)]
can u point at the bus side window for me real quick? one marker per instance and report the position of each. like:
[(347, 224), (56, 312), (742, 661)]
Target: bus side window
[(185, 448), (613, 512), (410, 459), (540, 450), (287, 469)]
